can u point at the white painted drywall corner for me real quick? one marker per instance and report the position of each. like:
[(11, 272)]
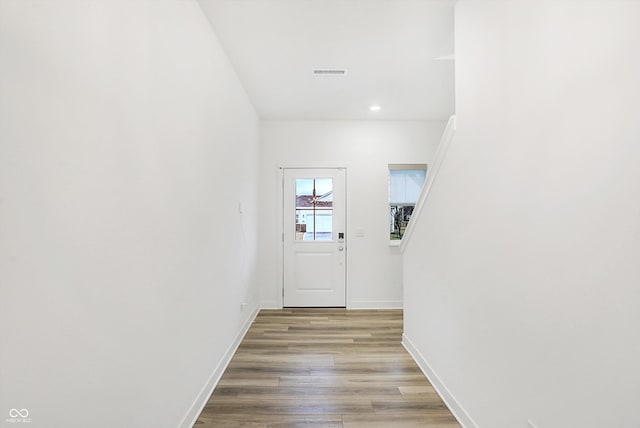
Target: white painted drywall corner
[(521, 279)]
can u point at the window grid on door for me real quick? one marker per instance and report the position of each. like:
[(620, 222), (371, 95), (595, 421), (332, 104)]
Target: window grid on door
[(314, 209)]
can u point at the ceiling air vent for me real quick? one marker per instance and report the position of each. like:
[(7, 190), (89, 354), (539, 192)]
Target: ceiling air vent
[(330, 71)]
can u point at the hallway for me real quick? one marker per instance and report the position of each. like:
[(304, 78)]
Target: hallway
[(324, 368)]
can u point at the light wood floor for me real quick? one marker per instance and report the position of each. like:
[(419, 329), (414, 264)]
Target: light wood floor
[(324, 368)]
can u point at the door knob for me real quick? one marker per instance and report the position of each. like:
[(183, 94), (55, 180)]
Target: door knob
[(340, 248)]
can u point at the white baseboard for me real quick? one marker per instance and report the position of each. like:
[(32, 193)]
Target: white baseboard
[(196, 408), (375, 304), (355, 304), (456, 408)]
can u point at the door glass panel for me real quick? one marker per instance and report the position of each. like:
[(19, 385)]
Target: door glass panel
[(314, 209)]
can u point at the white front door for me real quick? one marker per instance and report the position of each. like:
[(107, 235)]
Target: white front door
[(314, 238)]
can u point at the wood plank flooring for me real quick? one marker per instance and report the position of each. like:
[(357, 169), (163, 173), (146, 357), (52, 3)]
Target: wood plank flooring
[(324, 368)]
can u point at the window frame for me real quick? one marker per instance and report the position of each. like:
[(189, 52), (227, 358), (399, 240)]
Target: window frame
[(391, 205)]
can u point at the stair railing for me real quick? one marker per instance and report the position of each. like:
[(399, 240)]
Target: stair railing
[(432, 174)]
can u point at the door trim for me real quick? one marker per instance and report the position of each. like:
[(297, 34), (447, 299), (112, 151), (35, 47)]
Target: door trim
[(280, 221)]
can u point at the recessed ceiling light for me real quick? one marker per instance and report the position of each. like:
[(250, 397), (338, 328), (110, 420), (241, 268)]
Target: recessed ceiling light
[(375, 107)]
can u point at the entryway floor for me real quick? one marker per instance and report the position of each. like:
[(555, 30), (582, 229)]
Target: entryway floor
[(324, 368)]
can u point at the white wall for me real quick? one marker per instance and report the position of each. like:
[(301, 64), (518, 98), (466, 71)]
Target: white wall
[(522, 281), (374, 269), (126, 144)]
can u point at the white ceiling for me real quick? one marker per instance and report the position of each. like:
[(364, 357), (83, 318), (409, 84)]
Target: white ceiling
[(389, 48)]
